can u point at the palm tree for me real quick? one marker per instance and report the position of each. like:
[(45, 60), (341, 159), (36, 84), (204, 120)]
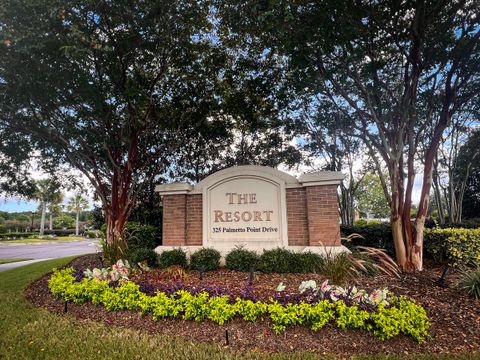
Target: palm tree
[(46, 190), (77, 204), (55, 208)]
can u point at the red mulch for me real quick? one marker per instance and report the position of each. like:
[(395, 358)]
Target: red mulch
[(455, 317)]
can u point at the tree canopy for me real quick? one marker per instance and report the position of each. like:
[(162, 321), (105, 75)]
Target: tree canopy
[(132, 93), (395, 72)]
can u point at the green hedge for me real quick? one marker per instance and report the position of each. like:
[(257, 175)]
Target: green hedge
[(143, 254), (375, 235), (465, 224), (207, 258), (172, 257), (18, 235), (402, 316), (241, 260), (140, 236), (456, 247), (285, 261)]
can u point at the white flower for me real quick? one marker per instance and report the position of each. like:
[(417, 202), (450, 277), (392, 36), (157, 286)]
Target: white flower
[(309, 284), (88, 274), (334, 295)]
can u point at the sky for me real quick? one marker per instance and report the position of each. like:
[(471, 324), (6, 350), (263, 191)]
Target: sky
[(14, 204)]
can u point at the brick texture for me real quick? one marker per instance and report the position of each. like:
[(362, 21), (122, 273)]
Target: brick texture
[(174, 220), (312, 217), (323, 215), (194, 220), (297, 217)]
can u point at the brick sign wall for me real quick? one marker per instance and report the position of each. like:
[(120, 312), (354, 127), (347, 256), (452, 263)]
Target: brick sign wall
[(255, 207)]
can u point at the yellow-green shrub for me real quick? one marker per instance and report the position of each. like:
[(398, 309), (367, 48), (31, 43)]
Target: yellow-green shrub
[(455, 246), (402, 316)]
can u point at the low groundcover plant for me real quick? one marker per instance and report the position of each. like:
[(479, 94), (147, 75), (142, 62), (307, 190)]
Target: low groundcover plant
[(386, 317), (119, 271)]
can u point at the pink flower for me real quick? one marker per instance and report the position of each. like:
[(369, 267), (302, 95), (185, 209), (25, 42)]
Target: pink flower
[(114, 276), (375, 296), (325, 287)]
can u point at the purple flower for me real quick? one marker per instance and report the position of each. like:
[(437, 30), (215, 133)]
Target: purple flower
[(78, 275)]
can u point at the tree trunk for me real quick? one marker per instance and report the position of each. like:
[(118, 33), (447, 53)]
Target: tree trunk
[(399, 241), (50, 224), (77, 223), (346, 206), (42, 219), (116, 242), (396, 214), (438, 200)]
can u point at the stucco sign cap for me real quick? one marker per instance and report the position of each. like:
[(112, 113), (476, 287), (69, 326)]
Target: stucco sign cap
[(321, 178), (174, 188)]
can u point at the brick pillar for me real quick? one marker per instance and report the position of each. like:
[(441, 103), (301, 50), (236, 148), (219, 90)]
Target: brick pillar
[(194, 220), (297, 218), (323, 215), (174, 219)]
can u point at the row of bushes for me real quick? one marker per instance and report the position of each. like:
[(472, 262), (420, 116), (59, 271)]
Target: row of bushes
[(207, 259), (455, 246), (401, 316), (17, 235), (465, 224), (56, 232)]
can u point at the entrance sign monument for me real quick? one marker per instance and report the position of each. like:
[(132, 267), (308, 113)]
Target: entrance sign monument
[(255, 207)]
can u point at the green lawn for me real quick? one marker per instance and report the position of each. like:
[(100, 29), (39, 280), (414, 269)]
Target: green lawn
[(30, 333), (12, 260), (37, 240)]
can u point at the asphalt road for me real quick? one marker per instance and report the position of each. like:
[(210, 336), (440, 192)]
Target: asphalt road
[(44, 251)]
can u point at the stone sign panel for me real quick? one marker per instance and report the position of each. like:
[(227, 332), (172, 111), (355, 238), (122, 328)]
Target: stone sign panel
[(255, 207), (245, 209)]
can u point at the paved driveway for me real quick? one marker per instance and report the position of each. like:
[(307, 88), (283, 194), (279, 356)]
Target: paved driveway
[(44, 251)]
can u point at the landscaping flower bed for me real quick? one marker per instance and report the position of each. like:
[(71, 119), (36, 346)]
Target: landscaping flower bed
[(379, 312), (454, 316)]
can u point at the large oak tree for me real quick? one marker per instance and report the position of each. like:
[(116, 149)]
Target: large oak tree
[(103, 85)]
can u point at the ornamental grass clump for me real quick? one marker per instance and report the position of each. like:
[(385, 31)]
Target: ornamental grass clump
[(386, 316), (470, 282)]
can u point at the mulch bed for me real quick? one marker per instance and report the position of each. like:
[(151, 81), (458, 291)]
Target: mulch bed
[(455, 317)]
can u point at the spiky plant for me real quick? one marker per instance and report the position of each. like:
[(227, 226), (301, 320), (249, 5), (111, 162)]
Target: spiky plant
[(470, 282), (369, 260), (337, 268), (382, 261)]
